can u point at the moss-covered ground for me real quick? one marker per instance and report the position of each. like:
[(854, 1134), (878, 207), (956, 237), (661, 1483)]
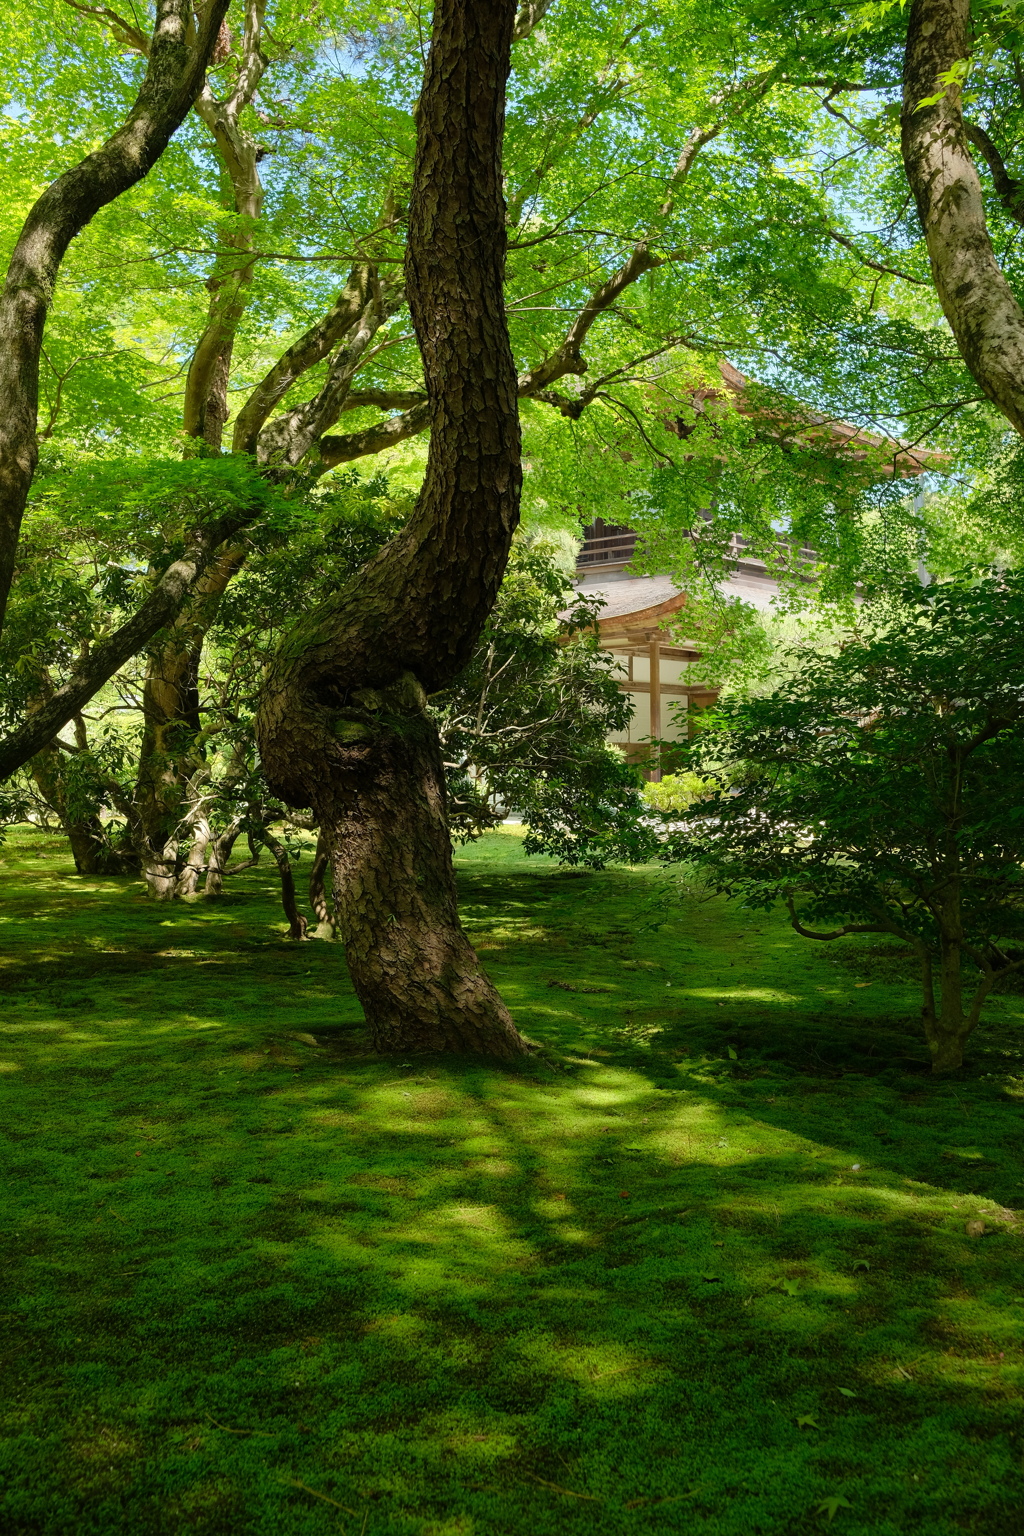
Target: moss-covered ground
[(706, 1267)]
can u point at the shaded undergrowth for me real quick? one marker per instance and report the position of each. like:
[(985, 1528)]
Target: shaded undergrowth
[(703, 1265)]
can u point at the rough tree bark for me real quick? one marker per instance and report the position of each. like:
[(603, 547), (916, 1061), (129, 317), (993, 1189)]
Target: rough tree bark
[(343, 724), (183, 37), (169, 753), (982, 310)]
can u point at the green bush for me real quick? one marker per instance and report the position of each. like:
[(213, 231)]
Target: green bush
[(678, 791)]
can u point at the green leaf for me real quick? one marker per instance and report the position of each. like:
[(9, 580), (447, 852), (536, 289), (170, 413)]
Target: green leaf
[(807, 1421), (832, 1506), (845, 1391)]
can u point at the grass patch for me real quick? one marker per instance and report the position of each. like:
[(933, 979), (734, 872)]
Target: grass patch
[(706, 1268)]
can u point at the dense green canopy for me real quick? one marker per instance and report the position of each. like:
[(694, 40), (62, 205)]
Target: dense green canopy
[(683, 187)]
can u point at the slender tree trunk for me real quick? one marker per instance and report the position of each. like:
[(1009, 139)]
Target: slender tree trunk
[(167, 760), (217, 856), (946, 1026), (325, 911), (343, 726), (297, 924)]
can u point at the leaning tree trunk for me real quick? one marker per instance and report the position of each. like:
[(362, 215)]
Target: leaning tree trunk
[(343, 722), (983, 311), (183, 36)]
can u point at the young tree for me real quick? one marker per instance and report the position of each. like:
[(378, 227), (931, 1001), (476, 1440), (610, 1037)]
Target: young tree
[(881, 788), (524, 726)]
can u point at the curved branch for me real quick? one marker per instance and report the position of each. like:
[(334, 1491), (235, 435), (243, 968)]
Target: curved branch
[(173, 588), (177, 61), (839, 933)]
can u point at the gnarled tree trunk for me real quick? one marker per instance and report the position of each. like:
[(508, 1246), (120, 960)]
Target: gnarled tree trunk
[(169, 754), (343, 723)]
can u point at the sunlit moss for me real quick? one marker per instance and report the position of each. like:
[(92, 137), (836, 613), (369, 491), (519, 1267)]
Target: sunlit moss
[(442, 1294)]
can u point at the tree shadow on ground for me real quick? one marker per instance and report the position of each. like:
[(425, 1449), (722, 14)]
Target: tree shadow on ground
[(259, 1286)]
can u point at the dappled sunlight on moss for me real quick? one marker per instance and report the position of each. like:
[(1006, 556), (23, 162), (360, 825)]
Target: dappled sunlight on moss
[(420, 1287)]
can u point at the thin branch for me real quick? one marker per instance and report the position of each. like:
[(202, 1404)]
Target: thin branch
[(876, 266)]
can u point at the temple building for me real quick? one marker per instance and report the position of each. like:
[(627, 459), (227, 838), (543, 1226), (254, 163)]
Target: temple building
[(633, 625), (639, 624)]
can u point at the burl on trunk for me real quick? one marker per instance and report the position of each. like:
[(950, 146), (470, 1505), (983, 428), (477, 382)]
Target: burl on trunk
[(343, 724)]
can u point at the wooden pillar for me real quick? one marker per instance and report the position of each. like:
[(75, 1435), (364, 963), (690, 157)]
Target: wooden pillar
[(655, 654)]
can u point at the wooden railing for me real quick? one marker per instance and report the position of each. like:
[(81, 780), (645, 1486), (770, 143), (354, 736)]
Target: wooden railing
[(610, 547), (617, 546)]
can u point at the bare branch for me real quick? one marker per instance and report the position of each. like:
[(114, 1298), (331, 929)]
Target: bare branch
[(375, 439), (876, 266)]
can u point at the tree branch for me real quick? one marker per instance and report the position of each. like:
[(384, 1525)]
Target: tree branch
[(383, 434), (205, 407), (180, 47), (529, 15), (876, 266), (125, 32), (302, 355), (1009, 190), (290, 437), (173, 588)]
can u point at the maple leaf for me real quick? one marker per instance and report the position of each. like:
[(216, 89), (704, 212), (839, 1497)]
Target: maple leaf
[(832, 1506)]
